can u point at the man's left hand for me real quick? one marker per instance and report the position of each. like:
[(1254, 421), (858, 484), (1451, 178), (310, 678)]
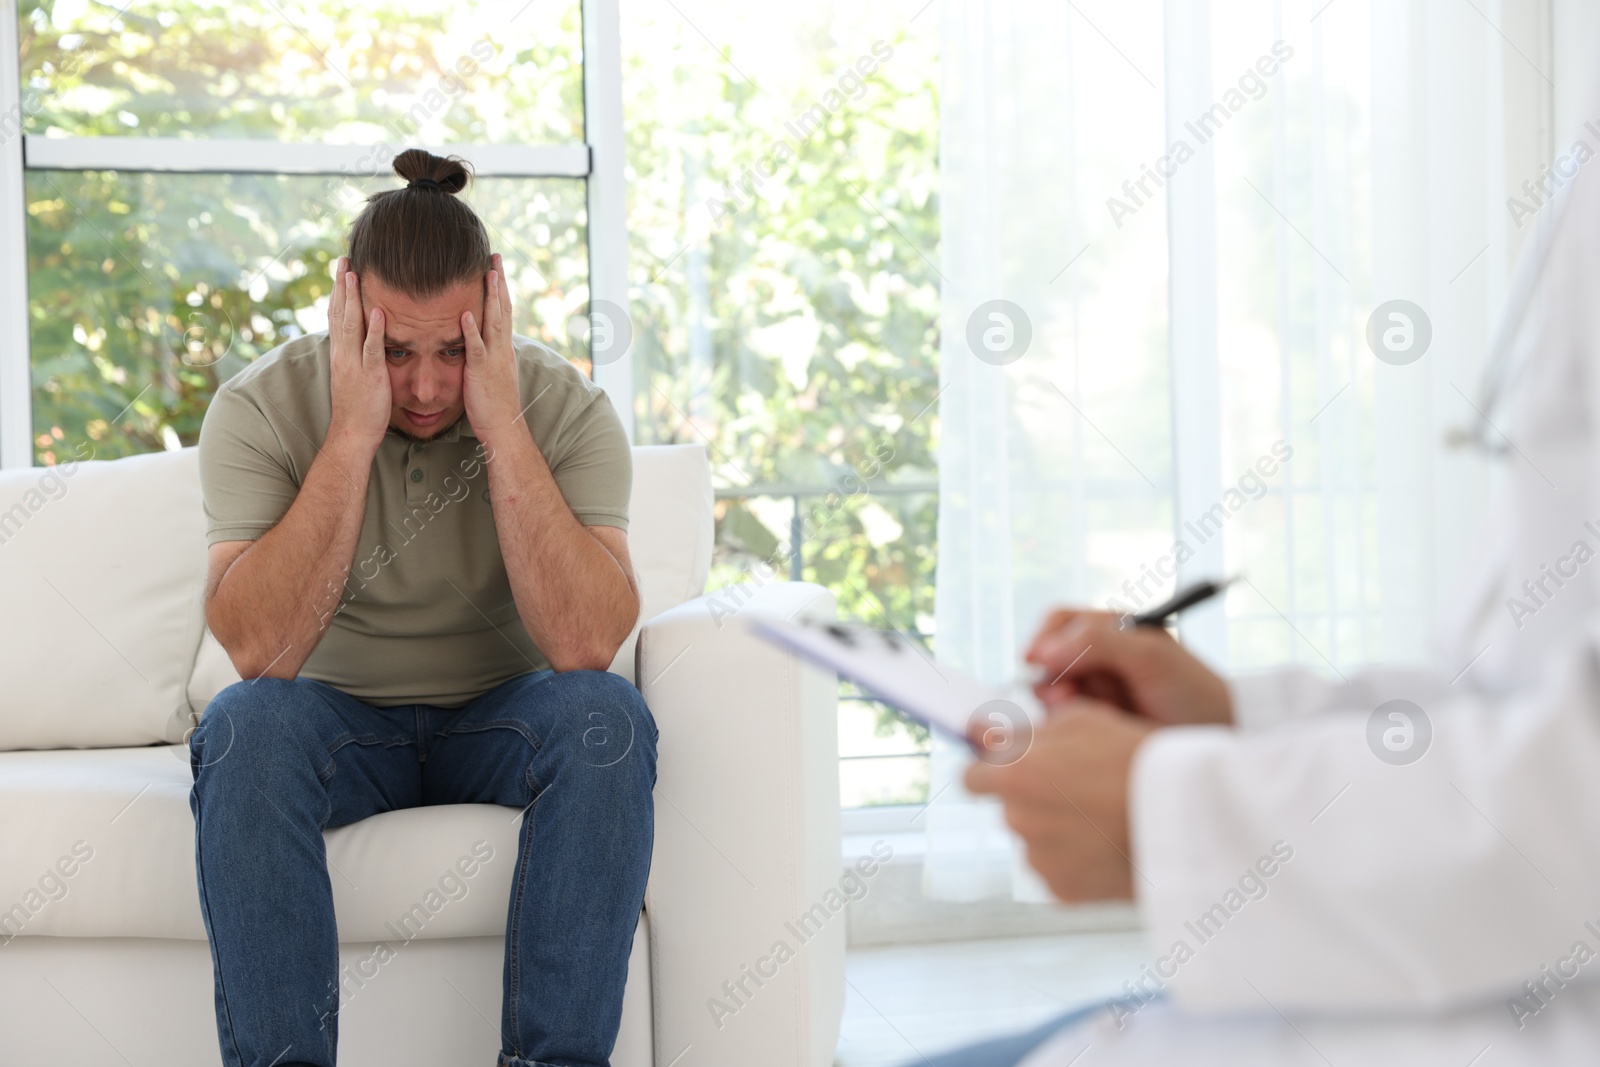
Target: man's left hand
[(490, 388), (1067, 797)]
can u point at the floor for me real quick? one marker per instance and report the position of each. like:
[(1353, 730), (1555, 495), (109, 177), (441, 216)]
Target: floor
[(907, 1002)]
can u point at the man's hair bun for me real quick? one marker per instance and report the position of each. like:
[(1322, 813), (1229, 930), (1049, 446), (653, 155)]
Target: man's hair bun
[(451, 174), (422, 244)]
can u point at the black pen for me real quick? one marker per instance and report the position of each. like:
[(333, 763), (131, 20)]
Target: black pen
[(1181, 600)]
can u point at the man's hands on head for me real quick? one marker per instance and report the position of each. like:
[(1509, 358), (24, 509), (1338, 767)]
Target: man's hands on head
[(363, 392), (268, 601), (1067, 797), (489, 387), (1140, 669), (358, 372)]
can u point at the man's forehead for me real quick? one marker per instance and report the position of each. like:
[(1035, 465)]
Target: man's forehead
[(396, 335), (439, 321), (409, 315)]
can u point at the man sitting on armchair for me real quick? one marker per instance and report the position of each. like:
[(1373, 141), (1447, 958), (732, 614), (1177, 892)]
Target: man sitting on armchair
[(419, 565)]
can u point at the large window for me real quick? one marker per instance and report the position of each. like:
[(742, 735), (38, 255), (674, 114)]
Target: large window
[(190, 169)]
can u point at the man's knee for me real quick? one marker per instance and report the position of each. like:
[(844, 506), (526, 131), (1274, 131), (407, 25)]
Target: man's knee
[(252, 725), (606, 721)]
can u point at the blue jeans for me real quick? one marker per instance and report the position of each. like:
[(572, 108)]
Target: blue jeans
[(275, 762)]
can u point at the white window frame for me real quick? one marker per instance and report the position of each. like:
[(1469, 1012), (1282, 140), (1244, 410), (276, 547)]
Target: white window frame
[(599, 160), (16, 392)]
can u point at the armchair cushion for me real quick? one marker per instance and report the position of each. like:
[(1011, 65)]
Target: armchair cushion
[(431, 872), (102, 566)]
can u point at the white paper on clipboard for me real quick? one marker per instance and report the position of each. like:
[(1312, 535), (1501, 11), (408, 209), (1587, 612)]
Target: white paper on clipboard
[(889, 667)]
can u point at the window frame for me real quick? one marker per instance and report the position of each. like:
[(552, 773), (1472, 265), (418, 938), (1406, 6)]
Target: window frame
[(598, 159)]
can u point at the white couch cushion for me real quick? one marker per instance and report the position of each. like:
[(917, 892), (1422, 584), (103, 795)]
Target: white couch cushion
[(100, 843), (101, 573)]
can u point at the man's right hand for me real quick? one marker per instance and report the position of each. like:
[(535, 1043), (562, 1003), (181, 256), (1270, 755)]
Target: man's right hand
[(359, 372), (1140, 669)]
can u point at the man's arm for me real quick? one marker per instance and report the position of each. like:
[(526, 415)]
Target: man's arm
[(269, 601), (573, 584)]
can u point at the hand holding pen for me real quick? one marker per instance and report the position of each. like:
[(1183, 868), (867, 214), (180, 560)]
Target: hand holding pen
[(1130, 662)]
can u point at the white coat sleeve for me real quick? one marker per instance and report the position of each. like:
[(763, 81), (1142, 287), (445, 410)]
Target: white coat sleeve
[(1270, 698), (1291, 867)]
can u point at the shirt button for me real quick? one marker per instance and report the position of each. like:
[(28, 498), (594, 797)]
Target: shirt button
[(486, 495), (416, 476)]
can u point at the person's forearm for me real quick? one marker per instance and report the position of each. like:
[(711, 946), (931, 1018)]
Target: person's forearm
[(274, 603), (574, 599)]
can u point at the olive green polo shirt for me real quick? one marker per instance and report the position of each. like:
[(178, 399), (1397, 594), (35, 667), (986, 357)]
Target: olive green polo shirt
[(426, 615)]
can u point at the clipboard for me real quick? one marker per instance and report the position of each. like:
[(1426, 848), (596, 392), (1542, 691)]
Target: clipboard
[(895, 670)]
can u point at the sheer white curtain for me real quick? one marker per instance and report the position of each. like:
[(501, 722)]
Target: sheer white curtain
[(1194, 209)]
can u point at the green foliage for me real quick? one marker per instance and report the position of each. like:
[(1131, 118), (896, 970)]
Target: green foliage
[(306, 70), (789, 320), (137, 308)]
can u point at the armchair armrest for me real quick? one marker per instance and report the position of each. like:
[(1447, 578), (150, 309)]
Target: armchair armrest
[(747, 946)]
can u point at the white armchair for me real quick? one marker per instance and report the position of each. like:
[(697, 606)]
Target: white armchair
[(105, 663)]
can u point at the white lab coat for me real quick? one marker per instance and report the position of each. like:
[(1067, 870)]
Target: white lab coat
[(1418, 899), (1415, 902)]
